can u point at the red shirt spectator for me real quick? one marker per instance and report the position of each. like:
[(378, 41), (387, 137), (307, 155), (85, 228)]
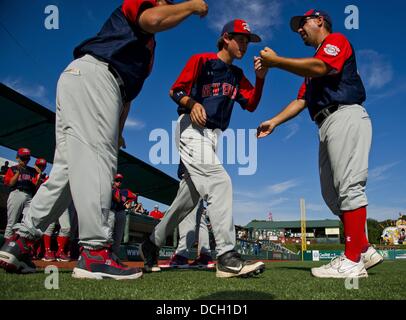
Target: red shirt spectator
[(156, 214)]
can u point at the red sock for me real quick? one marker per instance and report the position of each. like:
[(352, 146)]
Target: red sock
[(47, 242), (354, 232), (62, 241)]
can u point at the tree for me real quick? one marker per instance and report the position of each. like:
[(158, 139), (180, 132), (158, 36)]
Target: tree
[(374, 231)]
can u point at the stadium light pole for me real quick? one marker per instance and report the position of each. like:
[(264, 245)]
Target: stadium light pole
[(303, 225)]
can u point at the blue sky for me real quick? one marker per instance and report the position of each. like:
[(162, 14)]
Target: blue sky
[(32, 58)]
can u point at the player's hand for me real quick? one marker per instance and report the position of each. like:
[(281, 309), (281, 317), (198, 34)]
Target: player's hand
[(265, 128), (200, 7), (198, 115), (37, 169), (121, 142), (260, 69), (269, 57)]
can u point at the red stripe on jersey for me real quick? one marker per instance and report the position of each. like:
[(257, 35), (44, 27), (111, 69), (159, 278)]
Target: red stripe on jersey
[(334, 51), (133, 8), (9, 174), (250, 93), (302, 91), (191, 72)]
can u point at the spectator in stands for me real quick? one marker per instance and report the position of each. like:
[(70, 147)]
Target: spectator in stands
[(4, 168), (156, 214), (140, 209), (257, 247)]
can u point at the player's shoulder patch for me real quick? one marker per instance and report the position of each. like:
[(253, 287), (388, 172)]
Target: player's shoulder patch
[(331, 50)]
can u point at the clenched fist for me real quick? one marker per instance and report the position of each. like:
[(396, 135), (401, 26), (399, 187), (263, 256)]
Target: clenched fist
[(269, 56), (200, 7)]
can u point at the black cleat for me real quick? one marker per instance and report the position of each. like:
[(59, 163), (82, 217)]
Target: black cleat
[(230, 264), (149, 252)]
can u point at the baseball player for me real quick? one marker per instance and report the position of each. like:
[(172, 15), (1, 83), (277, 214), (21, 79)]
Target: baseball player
[(120, 199), (23, 181), (192, 227), (334, 94), (65, 233), (205, 93), (94, 94)]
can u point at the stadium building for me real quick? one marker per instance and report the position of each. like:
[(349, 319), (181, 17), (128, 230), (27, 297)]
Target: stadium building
[(317, 231)]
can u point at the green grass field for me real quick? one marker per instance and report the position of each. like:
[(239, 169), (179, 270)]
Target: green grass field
[(281, 281)]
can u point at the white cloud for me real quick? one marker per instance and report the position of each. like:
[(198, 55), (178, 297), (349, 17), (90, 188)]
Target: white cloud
[(244, 211), (379, 173), (134, 124), (393, 91), (262, 15), (293, 129), (375, 69), (282, 187)]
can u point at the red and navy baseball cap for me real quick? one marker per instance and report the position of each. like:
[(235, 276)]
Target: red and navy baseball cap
[(296, 21), (239, 26), (118, 176), (41, 162), (24, 152)]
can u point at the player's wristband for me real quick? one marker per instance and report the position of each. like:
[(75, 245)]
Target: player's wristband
[(178, 95)]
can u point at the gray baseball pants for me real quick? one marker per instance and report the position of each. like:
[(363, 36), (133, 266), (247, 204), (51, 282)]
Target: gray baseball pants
[(66, 221), (18, 203), (206, 179), (345, 142), (193, 227), (88, 108)]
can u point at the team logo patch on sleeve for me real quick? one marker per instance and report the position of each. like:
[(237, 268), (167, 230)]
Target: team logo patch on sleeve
[(332, 50)]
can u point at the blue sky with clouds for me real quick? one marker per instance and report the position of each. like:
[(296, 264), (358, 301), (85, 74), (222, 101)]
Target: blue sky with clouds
[(32, 58)]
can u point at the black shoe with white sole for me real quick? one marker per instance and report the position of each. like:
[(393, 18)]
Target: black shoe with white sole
[(149, 252), (230, 264)]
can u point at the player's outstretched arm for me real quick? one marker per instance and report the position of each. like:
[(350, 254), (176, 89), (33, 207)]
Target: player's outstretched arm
[(291, 111), (304, 67), (164, 17)]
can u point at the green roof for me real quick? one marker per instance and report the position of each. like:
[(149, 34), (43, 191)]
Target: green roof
[(263, 224)]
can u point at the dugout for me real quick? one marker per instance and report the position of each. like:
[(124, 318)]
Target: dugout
[(25, 123)]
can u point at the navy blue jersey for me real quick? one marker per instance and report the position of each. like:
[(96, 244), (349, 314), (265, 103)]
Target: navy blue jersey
[(124, 45), (26, 180), (216, 85), (124, 195), (342, 86)]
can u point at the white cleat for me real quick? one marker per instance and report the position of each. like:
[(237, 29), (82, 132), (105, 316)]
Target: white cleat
[(371, 258), (341, 267)]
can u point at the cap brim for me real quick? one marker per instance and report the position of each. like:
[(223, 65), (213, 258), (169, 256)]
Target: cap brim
[(252, 36), (255, 38), (295, 22)]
